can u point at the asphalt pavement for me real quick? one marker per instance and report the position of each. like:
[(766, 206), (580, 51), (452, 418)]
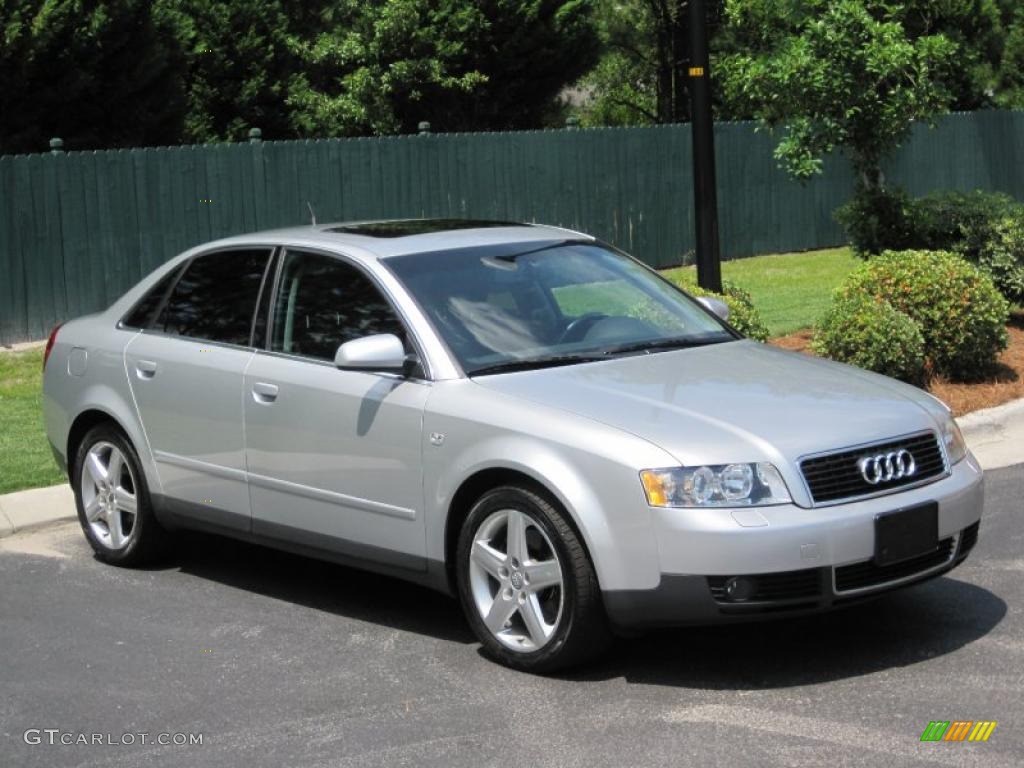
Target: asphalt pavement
[(275, 660)]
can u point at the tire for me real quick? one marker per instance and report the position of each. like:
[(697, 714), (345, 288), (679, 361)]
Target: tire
[(117, 536), (536, 625)]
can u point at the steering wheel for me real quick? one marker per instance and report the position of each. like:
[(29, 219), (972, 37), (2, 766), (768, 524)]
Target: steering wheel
[(577, 329)]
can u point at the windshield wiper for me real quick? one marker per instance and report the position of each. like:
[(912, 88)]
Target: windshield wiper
[(533, 363), (659, 344)]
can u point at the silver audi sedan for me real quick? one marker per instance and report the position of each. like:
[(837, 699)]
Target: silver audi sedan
[(517, 415)]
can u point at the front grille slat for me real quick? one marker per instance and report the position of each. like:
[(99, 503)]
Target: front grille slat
[(836, 476), (868, 574)]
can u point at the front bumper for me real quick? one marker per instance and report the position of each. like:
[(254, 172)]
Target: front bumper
[(800, 560)]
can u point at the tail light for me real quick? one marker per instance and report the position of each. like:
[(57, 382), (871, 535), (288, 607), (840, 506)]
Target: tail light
[(49, 344)]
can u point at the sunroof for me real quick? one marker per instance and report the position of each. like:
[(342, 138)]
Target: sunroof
[(407, 227)]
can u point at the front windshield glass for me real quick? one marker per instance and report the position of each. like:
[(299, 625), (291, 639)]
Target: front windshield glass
[(528, 305)]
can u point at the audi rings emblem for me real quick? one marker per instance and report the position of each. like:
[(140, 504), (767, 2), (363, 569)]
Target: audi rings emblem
[(886, 467)]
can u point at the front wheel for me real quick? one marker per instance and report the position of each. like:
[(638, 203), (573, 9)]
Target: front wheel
[(527, 584), (113, 500)]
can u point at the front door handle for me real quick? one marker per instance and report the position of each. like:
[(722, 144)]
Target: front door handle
[(264, 393), (145, 369)]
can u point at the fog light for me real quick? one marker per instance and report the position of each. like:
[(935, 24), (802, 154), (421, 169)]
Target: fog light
[(740, 588)]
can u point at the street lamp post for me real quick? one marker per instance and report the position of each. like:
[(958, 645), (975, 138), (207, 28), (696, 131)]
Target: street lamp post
[(705, 199)]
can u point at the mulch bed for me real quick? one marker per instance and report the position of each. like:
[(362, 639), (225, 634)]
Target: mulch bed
[(1006, 384)]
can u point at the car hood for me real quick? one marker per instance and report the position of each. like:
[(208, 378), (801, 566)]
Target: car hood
[(737, 401)]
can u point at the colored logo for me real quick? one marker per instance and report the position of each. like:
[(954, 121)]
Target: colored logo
[(958, 730)]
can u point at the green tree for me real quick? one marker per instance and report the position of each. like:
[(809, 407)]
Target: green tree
[(847, 76), (382, 68), (240, 59), (97, 73), (1010, 74)]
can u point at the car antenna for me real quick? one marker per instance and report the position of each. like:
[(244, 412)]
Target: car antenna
[(312, 213)]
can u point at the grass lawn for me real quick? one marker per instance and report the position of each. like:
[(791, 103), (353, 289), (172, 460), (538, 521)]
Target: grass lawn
[(25, 458), (791, 290)]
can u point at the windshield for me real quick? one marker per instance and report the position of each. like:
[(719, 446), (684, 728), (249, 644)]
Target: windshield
[(525, 305)]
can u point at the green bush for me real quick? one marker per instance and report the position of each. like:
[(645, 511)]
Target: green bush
[(960, 314), (957, 221), (986, 228), (870, 333), (1002, 256), (743, 315), (877, 220)]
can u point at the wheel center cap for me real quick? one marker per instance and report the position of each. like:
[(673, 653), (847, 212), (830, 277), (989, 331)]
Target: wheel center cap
[(516, 579)]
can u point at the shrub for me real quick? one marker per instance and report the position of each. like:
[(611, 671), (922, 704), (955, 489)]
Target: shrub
[(1002, 256), (876, 220), (870, 333), (947, 221), (960, 314), (743, 315)]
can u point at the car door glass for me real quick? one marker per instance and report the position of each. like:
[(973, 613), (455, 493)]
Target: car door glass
[(322, 302), (216, 297), (142, 314)]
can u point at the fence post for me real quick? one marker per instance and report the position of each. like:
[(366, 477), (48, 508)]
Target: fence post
[(255, 135), (424, 128), (56, 146)]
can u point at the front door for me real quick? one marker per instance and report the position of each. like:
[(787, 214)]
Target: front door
[(334, 457), (186, 372)]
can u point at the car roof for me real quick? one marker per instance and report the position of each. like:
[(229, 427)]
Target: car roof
[(397, 237)]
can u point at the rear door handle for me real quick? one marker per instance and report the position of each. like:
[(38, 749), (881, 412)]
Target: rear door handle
[(264, 393), (145, 369)]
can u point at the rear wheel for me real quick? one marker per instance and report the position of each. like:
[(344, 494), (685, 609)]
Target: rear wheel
[(526, 583), (113, 500)]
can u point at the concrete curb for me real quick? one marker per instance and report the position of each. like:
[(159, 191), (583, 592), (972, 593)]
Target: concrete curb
[(994, 435), (38, 506)]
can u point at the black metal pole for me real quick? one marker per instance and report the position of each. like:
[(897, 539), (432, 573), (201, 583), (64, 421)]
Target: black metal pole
[(705, 199)]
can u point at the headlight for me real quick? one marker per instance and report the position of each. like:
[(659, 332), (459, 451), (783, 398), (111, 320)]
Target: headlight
[(718, 485), (953, 440)]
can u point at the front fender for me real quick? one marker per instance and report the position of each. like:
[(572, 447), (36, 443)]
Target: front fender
[(586, 466)]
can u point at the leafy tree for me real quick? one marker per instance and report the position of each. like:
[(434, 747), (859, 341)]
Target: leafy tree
[(97, 73), (1010, 75), (240, 60), (643, 73), (847, 76), (384, 67)]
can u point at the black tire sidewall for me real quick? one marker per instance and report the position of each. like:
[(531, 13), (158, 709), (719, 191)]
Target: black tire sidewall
[(525, 501), (147, 531)]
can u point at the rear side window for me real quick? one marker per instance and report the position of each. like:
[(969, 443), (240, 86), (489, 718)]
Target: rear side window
[(216, 297), (141, 315), (323, 302)]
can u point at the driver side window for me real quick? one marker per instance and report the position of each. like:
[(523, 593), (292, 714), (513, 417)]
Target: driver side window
[(322, 302)]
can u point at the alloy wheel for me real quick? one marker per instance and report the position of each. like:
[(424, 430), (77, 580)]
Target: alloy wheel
[(109, 496), (516, 580)]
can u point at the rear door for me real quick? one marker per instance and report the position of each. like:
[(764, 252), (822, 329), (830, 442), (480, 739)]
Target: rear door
[(334, 456), (186, 372)]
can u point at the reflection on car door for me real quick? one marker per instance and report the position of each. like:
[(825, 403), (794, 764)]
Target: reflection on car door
[(334, 457), (186, 372)]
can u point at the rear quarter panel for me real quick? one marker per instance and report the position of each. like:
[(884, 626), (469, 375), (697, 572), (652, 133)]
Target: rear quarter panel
[(101, 385)]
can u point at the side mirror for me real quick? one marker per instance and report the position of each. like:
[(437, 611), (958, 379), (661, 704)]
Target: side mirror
[(716, 306), (380, 352)]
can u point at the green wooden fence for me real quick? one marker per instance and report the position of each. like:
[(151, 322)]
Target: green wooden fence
[(77, 229)]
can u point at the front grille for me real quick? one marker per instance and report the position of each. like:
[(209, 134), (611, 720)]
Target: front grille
[(969, 538), (785, 585), (867, 574), (836, 476)]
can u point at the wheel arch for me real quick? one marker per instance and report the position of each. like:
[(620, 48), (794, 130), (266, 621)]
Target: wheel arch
[(479, 483)]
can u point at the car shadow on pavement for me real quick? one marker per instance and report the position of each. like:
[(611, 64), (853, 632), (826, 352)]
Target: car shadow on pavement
[(321, 585), (924, 622)]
